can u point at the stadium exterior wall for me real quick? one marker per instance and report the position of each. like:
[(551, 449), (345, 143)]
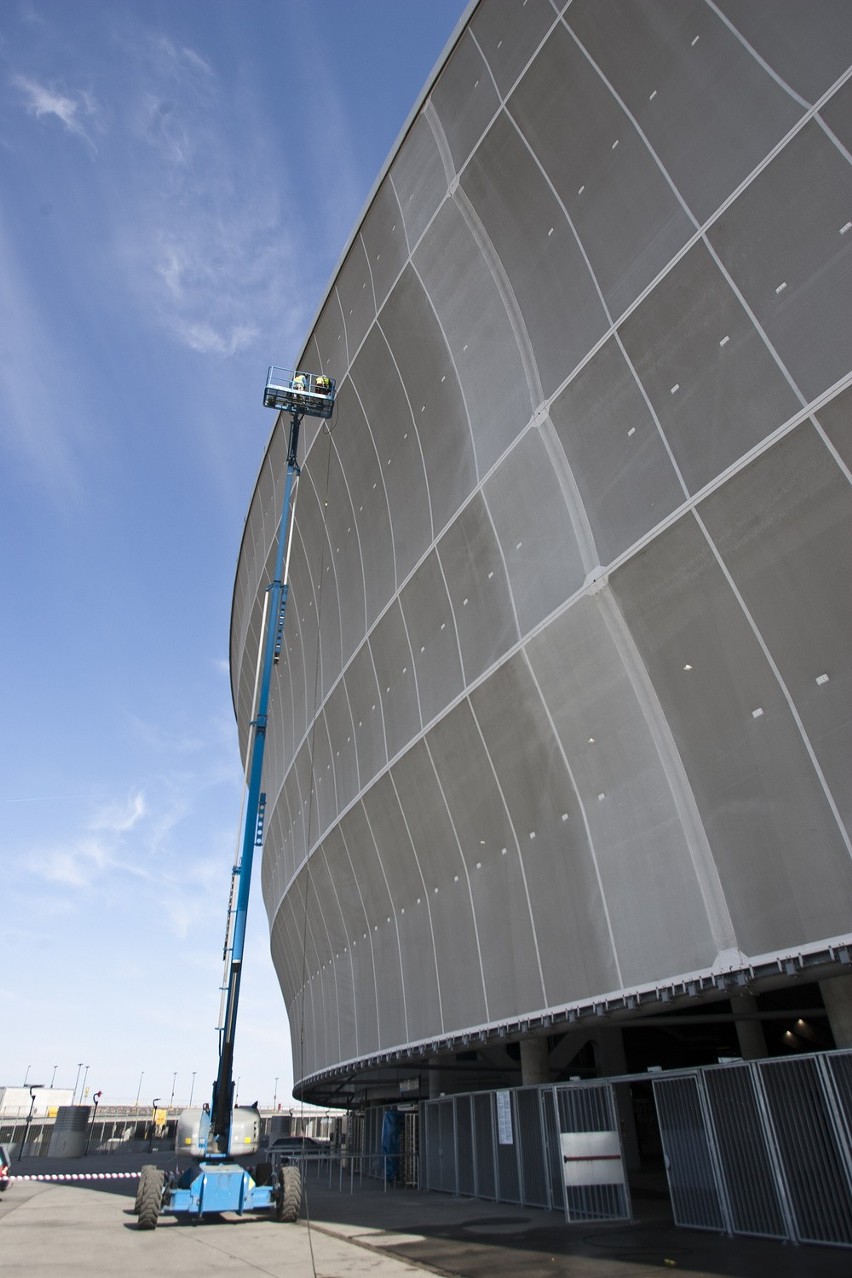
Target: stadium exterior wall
[(565, 713)]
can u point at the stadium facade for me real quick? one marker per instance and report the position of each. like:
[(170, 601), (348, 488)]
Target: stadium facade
[(562, 731)]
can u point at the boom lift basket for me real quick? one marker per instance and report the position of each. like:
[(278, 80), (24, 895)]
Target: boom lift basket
[(297, 392)]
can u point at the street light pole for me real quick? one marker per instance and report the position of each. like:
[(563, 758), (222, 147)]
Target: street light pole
[(26, 1076), (33, 1091), (172, 1097), (153, 1122), (139, 1088), (97, 1100), (275, 1095), (76, 1081), (192, 1088), (83, 1088), (53, 1080)]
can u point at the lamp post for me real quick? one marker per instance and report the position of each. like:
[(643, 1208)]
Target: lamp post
[(172, 1097), (154, 1104), (96, 1099), (35, 1087), (192, 1088), (275, 1095), (83, 1088), (76, 1081), (53, 1080), (139, 1088), (26, 1076)]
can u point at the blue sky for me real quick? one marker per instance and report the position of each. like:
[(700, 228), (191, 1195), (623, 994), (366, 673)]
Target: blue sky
[(177, 183)]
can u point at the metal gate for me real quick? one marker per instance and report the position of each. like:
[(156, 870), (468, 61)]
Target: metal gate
[(762, 1147), (550, 1147), (694, 1180), (592, 1158)]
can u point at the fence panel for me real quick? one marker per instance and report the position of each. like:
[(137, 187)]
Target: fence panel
[(508, 1174), (430, 1145), (534, 1183), (690, 1165), (464, 1146), (747, 1165), (592, 1155), (483, 1125), (809, 1141)]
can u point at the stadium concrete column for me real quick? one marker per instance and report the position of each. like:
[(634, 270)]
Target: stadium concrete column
[(436, 1077), (750, 1035), (612, 1061), (535, 1061), (837, 997)]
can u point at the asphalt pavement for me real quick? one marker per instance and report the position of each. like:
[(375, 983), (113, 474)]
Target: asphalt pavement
[(85, 1226)]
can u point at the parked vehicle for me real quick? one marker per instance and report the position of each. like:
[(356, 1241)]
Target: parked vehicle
[(291, 1149)]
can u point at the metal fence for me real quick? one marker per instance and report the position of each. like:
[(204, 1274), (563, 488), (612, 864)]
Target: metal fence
[(551, 1147), (762, 1148)]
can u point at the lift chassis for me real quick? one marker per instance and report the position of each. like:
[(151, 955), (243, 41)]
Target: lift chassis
[(214, 1134)]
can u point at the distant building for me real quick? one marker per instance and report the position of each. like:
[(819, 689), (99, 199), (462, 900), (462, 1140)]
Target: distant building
[(15, 1102), (561, 735)]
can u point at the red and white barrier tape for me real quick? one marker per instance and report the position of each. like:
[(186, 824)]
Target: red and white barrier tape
[(80, 1176)]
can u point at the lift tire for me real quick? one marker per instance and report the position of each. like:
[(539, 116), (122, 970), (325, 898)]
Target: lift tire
[(150, 1197), (289, 1198), (143, 1176)]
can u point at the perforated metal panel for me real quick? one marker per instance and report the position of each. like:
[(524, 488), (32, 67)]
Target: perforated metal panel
[(567, 632)]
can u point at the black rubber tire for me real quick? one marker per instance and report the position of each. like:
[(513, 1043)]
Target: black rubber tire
[(289, 1199), (143, 1175), (150, 1197)]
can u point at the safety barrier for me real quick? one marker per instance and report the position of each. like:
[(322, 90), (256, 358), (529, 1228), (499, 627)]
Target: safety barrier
[(761, 1148), (131, 1175)]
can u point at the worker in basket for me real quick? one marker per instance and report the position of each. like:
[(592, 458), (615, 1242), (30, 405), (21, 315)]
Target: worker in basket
[(322, 385), (300, 383)]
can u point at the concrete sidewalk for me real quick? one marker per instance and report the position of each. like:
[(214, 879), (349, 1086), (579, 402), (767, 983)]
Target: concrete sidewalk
[(74, 1230), (86, 1227)]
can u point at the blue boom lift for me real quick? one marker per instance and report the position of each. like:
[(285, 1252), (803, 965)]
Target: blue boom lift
[(215, 1133)]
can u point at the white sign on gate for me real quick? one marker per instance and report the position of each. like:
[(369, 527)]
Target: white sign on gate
[(504, 1119), (592, 1158)]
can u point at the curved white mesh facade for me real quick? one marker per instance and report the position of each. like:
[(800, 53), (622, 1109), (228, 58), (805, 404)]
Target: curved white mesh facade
[(576, 717)]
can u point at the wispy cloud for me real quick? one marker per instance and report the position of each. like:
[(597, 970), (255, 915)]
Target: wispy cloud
[(133, 842), (42, 100), (47, 431), (207, 251), (119, 818)]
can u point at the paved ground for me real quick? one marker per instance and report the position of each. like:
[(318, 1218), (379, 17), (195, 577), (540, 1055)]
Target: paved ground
[(66, 1229), (78, 1229)]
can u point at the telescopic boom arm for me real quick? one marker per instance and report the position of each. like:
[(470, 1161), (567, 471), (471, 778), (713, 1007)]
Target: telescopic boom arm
[(300, 395)]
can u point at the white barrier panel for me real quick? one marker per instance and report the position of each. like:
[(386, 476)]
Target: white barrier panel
[(592, 1158)]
